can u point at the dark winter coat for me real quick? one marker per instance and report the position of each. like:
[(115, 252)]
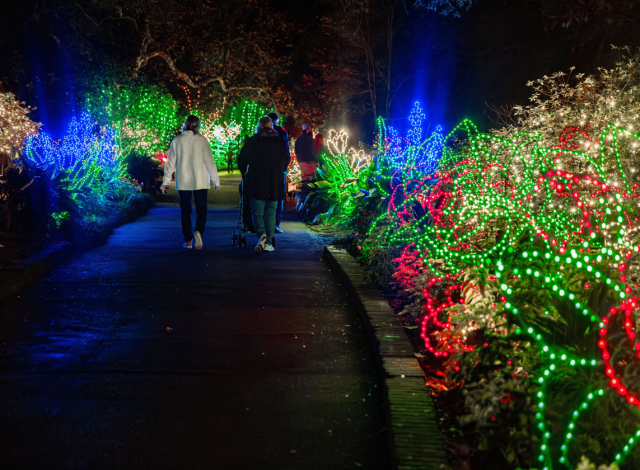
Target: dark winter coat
[(306, 148), (284, 135), (266, 157)]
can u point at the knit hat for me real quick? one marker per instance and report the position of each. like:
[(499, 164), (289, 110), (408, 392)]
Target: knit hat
[(306, 126)]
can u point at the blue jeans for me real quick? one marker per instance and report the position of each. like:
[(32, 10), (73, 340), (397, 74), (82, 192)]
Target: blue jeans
[(263, 214)]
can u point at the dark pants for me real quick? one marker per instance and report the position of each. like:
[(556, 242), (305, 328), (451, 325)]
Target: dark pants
[(200, 198)]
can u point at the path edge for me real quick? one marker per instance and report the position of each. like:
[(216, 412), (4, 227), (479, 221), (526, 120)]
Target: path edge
[(414, 437), (15, 278)]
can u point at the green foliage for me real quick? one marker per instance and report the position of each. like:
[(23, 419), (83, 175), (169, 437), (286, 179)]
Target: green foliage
[(146, 117), (519, 258)]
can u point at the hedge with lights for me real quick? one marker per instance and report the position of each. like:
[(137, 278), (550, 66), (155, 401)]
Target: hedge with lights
[(90, 185), (533, 243), (517, 255)]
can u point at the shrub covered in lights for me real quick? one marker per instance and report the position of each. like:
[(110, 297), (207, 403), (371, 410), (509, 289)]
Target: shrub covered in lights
[(517, 256), (342, 186), (89, 183), (422, 156)]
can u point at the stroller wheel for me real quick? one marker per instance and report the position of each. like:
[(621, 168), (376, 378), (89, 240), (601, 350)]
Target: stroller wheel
[(243, 242), (234, 238)]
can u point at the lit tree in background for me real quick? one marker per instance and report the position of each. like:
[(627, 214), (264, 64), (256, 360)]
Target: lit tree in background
[(15, 125), (145, 116)]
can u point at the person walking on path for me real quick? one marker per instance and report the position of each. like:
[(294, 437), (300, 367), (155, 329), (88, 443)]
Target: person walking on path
[(306, 153), (191, 158), (264, 156), (229, 161), (284, 135)]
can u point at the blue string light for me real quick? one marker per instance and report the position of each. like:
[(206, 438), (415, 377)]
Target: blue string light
[(415, 118), (413, 153), (81, 144)]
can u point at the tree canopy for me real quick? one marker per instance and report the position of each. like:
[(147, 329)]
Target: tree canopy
[(339, 61)]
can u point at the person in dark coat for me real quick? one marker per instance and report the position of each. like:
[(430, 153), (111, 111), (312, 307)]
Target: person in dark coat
[(284, 135), (306, 153), (230, 161), (264, 158)]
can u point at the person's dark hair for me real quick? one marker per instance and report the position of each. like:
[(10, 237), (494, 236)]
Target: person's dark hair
[(191, 124), (274, 118)]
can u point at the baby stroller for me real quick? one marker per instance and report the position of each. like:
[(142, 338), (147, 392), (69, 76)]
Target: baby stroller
[(245, 223)]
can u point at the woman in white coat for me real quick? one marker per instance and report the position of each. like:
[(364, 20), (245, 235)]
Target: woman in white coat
[(191, 158)]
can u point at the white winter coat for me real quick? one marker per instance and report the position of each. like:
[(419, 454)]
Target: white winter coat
[(191, 158)]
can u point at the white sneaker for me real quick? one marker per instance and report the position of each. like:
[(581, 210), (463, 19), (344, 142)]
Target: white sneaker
[(198, 238), (268, 247), (260, 246)]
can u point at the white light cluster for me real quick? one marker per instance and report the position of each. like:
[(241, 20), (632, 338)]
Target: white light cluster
[(15, 125), (337, 143)]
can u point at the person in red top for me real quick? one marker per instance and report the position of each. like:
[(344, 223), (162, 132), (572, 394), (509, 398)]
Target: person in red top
[(306, 153)]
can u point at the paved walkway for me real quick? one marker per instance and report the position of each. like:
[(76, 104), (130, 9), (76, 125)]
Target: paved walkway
[(267, 366)]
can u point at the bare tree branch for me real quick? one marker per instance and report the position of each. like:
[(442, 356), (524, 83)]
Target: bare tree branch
[(144, 58)]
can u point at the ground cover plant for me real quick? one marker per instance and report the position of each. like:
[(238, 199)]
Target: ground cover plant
[(516, 257)]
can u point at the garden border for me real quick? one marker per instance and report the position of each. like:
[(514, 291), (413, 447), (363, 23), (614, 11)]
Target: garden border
[(15, 278), (414, 437)]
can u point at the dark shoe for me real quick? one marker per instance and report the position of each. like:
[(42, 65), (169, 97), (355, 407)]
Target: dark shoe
[(278, 229)]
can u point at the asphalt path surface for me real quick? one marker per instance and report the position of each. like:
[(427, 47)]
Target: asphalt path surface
[(266, 364)]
